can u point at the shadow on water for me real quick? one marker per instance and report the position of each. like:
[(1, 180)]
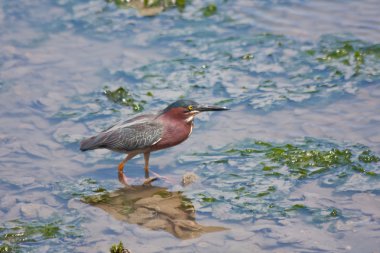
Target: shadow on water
[(152, 207)]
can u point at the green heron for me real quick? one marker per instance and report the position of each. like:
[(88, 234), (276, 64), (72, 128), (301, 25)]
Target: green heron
[(148, 133)]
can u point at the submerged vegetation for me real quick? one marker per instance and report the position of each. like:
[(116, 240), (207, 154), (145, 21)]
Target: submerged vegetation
[(239, 54), (123, 97), (333, 64), (19, 236), (258, 179), (349, 53), (209, 10), (151, 7), (303, 162), (118, 248)]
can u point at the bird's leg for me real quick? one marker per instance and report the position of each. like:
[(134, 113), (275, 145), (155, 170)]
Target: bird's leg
[(122, 178), (148, 180), (146, 167)]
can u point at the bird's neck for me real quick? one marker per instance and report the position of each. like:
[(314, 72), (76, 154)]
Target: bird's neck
[(175, 131), (176, 120)]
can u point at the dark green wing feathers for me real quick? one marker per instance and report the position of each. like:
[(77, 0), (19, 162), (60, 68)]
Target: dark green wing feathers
[(125, 137)]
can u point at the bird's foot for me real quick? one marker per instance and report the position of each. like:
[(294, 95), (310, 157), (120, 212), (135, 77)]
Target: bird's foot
[(167, 179), (123, 178), (148, 181)]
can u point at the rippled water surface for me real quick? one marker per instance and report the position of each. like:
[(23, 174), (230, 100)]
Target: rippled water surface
[(294, 166)]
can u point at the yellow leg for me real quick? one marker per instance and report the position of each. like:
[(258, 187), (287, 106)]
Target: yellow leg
[(121, 166), (122, 178), (148, 180), (146, 167)]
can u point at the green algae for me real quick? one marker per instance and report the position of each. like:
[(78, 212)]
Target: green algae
[(209, 10), (361, 169), (100, 189), (247, 56), (321, 69), (187, 205), (205, 199), (304, 162), (274, 174), (368, 157), (164, 194), (150, 8), (118, 248), (267, 192), (16, 235), (84, 190), (123, 97), (349, 53), (316, 215), (87, 181), (104, 197), (27, 232), (300, 161), (342, 51), (268, 168), (6, 248), (259, 174), (296, 207), (221, 161), (208, 199), (65, 115), (335, 213)]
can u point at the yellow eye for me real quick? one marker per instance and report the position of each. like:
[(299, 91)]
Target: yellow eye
[(190, 107)]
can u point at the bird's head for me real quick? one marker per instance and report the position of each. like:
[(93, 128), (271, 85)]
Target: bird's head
[(187, 109)]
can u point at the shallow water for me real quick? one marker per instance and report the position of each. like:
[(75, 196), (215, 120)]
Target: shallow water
[(292, 167)]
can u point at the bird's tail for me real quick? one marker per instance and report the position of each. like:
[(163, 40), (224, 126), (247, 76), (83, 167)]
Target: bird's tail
[(89, 143)]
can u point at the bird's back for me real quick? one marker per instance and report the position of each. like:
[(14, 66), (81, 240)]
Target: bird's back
[(137, 133)]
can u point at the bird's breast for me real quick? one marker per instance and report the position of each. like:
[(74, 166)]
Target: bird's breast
[(173, 134)]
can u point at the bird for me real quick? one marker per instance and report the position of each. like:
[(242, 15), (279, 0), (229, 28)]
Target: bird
[(147, 133)]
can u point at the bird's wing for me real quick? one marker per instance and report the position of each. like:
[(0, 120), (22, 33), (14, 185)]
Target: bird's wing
[(125, 123), (126, 137), (133, 137)]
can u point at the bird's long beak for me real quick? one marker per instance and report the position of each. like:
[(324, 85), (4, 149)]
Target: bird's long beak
[(205, 108)]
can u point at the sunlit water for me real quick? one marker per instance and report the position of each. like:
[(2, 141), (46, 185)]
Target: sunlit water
[(292, 167)]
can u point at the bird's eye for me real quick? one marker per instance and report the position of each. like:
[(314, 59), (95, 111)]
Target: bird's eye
[(190, 107)]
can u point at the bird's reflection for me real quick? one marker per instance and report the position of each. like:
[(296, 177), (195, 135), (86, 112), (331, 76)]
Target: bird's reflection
[(152, 207)]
